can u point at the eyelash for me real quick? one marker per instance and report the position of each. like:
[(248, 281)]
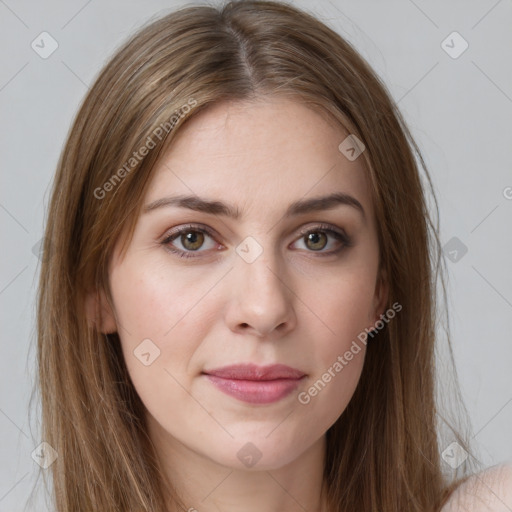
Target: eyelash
[(322, 228)]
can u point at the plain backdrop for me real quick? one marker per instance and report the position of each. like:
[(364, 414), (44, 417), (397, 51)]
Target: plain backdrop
[(457, 102)]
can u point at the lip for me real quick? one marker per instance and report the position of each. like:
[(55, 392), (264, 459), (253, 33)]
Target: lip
[(256, 384)]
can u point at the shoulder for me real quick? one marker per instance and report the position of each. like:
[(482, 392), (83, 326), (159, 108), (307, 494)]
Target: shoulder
[(488, 491)]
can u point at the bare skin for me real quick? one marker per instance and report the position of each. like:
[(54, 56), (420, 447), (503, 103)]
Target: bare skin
[(298, 302), (488, 491)]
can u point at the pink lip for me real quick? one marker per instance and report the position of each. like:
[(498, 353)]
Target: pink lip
[(256, 384)]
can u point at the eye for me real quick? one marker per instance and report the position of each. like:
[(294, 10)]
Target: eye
[(316, 239), (190, 237)]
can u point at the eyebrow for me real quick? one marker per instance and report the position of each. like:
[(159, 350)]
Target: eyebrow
[(299, 207)]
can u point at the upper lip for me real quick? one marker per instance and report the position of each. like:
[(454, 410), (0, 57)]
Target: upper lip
[(255, 372)]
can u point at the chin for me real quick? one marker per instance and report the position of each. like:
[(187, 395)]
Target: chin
[(257, 453)]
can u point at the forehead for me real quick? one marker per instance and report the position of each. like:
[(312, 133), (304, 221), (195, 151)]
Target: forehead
[(259, 155)]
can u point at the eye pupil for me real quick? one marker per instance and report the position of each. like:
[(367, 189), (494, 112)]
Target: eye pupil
[(196, 238), (315, 237)]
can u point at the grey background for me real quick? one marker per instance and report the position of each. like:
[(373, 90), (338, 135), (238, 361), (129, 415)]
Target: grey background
[(459, 111)]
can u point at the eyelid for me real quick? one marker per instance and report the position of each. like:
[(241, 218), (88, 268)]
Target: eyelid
[(192, 227), (322, 226), (338, 233)]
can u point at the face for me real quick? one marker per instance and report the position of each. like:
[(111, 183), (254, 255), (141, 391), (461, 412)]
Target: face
[(200, 288)]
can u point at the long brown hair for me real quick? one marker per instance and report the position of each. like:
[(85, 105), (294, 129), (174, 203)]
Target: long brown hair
[(384, 452)]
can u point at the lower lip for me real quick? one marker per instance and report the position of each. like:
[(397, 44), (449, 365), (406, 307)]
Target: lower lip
[(255, 391)]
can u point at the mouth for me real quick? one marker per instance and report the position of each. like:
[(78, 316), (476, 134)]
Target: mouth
[(256, 384)]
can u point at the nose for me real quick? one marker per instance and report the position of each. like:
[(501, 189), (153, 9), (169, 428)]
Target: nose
[(261, 298)]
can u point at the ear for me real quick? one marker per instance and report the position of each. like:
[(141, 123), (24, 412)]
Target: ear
[(381, 296), (99, 313)]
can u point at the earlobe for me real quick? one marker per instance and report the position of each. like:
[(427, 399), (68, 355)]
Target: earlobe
[(99, 313)]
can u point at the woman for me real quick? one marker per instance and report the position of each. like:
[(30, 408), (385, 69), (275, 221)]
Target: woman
[(239, 311)]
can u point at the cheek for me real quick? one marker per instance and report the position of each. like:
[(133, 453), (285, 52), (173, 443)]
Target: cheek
[(338, 365), (157, 324), (159, 332), (150, 303), (344, 305)]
